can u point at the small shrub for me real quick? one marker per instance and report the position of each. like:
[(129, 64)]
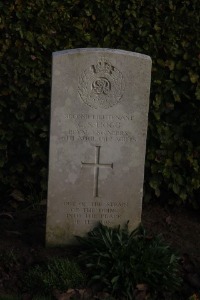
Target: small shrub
[(8, 259), (10, 297), (58, 273), (120, 260)]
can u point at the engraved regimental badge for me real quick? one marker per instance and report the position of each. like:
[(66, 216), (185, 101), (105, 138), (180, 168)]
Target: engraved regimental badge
[(101, 85)]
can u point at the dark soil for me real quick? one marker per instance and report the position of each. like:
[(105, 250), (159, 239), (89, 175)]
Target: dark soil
[(23, 234)]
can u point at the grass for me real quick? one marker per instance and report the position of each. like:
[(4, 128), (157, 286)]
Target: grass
[(57, 273)]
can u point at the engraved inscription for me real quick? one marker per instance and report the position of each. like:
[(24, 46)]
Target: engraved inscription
[(96, 166), (90, 212), (100, 117), (101, 85), (98, 129)]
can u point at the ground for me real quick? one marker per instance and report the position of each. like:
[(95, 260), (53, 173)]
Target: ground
[(23, 233), (179, 226)]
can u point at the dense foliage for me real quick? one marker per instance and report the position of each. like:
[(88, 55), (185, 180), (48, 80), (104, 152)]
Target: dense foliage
[(168, 31), (58, 273), (120, 261)]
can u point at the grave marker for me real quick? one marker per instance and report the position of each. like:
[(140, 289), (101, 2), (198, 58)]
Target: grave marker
[(99, 115)]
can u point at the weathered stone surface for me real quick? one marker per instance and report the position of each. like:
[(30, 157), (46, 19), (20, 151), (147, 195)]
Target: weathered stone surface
[(99, 118)]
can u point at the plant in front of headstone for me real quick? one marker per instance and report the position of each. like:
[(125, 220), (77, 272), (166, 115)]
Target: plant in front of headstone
[(120, 261), (9, 297), (57, 274), (8, 259)]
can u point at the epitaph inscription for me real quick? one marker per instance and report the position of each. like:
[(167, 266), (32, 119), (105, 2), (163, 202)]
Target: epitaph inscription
[(99, 111)]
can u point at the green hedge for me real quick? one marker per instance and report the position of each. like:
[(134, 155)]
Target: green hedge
[(168, 32)]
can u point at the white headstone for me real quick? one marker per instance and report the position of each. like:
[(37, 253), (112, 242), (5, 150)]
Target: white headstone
[(99, 115)]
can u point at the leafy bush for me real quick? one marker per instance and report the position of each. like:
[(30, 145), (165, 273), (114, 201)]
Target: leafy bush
[(58, 273), (168, 31), (121, 260), (10, 297), (8, 259)]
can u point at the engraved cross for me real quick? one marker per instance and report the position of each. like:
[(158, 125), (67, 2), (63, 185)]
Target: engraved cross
[(96, 166)]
